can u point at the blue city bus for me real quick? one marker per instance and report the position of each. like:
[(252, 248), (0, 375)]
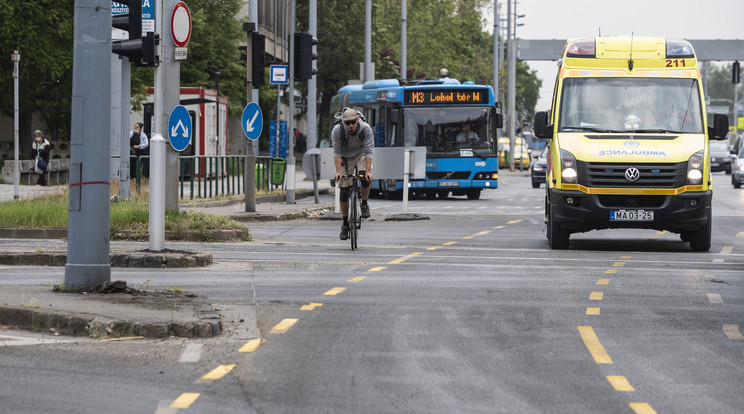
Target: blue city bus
[(456, 122)]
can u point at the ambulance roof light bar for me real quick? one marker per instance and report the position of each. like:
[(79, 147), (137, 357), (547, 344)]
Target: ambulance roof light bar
[(584, 48)]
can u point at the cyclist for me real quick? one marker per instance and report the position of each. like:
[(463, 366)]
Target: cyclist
[(353, 144)]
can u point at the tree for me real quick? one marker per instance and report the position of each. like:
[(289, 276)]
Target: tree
[(42, 32)]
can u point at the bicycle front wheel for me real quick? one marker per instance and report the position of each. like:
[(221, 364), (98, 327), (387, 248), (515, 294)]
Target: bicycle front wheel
[(353, 217)]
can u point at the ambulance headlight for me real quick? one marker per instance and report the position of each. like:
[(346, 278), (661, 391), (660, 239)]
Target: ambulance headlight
[(568, 167), (695, 168)]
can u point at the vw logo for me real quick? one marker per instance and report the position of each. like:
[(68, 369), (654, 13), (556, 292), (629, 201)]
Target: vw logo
[(632, 174), (631, 143)]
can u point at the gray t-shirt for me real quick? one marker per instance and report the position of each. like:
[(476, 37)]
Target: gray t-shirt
[(362, 141)]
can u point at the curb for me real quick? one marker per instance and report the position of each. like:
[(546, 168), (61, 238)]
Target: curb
[(139, 259), (75, 324)]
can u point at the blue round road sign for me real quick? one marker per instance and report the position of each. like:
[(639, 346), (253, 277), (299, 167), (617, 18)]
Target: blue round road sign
[(252, 121), (179, 128)]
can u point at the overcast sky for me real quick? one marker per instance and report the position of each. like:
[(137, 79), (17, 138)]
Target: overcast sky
[(561, 19)]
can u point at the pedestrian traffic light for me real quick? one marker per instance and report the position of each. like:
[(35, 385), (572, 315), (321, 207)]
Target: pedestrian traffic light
[(304, 56), (141, 50), (735, 73), (258, 65)]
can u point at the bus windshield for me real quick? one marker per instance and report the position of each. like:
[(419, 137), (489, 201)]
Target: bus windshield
[(631, 105), (445, 131)]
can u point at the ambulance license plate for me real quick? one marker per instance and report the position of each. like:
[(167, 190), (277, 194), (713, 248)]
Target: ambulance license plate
[(631, 215), (449, 183)]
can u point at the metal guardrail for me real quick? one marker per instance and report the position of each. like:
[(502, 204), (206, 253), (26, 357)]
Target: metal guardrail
[(203, 176)]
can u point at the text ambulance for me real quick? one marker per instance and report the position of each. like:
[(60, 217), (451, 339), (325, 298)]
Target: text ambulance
[(628, 140)]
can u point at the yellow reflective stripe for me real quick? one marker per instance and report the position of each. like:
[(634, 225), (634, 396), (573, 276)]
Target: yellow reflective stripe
[(632, 191)]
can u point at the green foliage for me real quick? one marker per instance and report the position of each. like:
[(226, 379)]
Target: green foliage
[(42, 32)]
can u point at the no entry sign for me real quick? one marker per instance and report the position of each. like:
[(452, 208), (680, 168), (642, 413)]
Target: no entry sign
[(181, 24)]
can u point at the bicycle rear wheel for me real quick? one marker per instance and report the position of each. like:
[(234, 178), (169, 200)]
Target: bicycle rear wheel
[(353, 217)]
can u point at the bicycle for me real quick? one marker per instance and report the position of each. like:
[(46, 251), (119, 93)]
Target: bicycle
[(355, 207)]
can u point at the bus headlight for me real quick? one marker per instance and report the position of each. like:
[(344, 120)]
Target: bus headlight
[(695, 168), (568, 167)]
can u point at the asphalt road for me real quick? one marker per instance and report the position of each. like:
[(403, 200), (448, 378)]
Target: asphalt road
[(466, 312)]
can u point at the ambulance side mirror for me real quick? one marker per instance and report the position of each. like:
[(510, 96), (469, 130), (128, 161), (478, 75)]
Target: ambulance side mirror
[(720, 127), (541, 127)]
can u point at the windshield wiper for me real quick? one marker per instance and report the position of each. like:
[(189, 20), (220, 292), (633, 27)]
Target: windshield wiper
[(587, 128), (653, 131)]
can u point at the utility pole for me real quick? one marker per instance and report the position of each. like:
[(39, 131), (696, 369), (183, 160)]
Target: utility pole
[(290, 173), (312, 84), (511, 89), (403, 40), (16, 173), (249, 175), (89, 208)]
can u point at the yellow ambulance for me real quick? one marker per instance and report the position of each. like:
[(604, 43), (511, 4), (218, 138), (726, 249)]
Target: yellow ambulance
[(628, 140)]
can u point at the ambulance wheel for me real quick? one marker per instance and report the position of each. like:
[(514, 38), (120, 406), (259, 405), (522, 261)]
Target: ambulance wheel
[(557, 235), (700, 240)]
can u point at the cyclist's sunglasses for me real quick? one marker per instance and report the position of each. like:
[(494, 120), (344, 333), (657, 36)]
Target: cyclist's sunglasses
[(352, 122)]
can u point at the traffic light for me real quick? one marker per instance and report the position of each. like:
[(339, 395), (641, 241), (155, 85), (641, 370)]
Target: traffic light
[(304, 56), (141, 50), (735, 73), (259, 60)]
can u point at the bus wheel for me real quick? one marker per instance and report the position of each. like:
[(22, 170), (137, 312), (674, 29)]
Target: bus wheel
[(474, 194), (700, 240), (442, 194), (557, 236), (430, 195)]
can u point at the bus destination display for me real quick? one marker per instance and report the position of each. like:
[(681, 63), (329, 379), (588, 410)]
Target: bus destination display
[(446, 96)]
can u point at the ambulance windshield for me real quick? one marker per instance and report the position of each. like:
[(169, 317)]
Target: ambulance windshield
[(653, 105)]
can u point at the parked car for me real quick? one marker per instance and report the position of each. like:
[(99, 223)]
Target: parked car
[(540, 168), (521, 152), (720, 159), (737, 167)]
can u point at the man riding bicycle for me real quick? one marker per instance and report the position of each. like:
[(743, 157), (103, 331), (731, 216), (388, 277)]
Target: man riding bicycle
[(353, 145)]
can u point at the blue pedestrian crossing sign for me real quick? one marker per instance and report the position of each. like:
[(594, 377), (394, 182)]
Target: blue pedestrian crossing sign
[(179, 128), (252, 121)]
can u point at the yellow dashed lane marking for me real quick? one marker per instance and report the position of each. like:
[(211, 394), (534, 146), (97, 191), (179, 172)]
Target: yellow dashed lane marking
[(450, 243), (311, 306), (660, 232), (482, 233), (732, 331), (514, 221), (592, 311), (251, 346), (740, 234), (218, 372), (626, 257), (603, 282), (356, 279), (334, 291), (404, 258), (714, 298), (185, 400), (620, 383), (482, 207), (376, 269), (618, 264), (499, 227), (610, 270), (466, 237), (727, 249), (593, 345), (596, 295), (283, 326), (642, 408), (434, 248)]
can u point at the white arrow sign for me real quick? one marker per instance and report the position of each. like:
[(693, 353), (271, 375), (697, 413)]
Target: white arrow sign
[(249, 123), (178, 126)]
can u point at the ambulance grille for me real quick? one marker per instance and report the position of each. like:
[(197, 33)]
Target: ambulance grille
[(597, 174)]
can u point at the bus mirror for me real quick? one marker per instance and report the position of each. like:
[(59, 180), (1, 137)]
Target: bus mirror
[(720, 127), (541, 127), (499, 120)]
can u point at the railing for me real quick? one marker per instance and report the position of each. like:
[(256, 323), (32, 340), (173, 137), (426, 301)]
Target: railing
[(203, 176)]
